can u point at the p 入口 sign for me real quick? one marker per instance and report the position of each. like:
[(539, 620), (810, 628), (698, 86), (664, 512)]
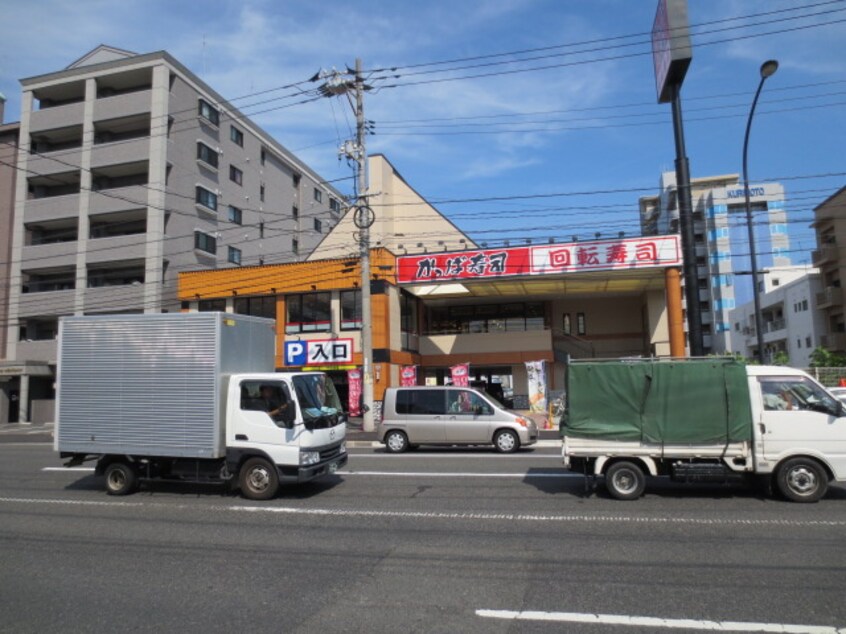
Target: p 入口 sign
[(318, 352)]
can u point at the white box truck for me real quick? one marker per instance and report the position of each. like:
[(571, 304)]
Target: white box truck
[(702, 420), (191, 396)]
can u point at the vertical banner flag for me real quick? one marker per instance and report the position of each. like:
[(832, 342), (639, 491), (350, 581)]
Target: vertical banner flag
[(536, 371), (460, 375), (354, 399), (408, 375)]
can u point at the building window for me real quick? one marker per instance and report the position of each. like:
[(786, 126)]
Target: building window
[(808, 342), (334, 205), (205, 242), (512, 317), (804, 304), (236, 175), (234, 255), (208, 112), (580, 324), (264, 306), (261, 229), (798, 343), (206, 154), (350, 310), (236, 135), (408, 322), (318, 195), (311, 312), (566, 326), (206, 198), (295, 246), (261, 193), (210, 305), (776, 282), (296, 180), (295, 212), (263, 156), (235, 215), (318, 226)]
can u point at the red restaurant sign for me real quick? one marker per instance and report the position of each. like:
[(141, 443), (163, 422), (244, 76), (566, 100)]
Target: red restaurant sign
[(551, 259)]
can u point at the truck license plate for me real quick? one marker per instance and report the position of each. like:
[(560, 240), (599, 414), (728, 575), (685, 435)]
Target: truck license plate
[(333, 467)]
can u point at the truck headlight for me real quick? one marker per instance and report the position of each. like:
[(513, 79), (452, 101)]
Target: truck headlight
[(343, 447), (309, 458)]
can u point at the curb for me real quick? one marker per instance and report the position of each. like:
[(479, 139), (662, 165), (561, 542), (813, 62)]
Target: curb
[(375, 444)]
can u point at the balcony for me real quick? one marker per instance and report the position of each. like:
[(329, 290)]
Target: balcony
[(54, 162), (56, 117), (55, 254), (826, 254), (52, 208), (479, 343), (42, 350), (835, 342), (127, 104), (830, 296), (46, 302), (129, 297), (128, 247), (118, 199), (120, 152)]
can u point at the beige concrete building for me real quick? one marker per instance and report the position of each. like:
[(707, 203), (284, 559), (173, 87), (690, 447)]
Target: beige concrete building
[(830, 259), (404, 221)]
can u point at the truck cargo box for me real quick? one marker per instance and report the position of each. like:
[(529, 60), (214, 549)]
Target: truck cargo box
[(695, 401), (154, 384)]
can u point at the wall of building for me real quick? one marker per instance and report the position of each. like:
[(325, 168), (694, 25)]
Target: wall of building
[(8, 177)]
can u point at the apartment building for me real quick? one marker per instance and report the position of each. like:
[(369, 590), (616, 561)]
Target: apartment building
[(830, 226), (131, 169), (721, 240), (792, 325)]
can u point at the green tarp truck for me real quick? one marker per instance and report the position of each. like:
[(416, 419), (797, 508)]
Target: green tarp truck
[(701, 420)]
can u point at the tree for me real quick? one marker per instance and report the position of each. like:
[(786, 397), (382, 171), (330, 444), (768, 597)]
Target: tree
[(781, 358), (822, 358)]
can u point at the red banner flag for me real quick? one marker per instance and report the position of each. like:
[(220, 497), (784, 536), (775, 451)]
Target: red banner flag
[(460, 375), (354, 399), (408, 375)]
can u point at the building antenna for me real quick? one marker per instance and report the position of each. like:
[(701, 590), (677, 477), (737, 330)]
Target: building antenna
[(203, 56)]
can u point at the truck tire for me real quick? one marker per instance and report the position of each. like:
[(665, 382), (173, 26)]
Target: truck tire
[(396, 441), (506, 441), (258, 479), (625, 480), (802, 480), (121, 478)]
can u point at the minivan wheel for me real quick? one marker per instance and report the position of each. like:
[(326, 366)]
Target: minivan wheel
[(396, 441), (802, 480), (506, 441)]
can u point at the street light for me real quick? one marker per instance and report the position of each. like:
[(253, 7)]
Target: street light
[(768, 68)]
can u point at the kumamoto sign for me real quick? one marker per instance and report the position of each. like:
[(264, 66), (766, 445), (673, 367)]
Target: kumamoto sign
[(552, 259)]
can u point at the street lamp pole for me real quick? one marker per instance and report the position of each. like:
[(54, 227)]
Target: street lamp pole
[(768, 68)]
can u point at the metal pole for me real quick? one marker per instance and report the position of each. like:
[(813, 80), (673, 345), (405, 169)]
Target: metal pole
[(691, 279), (759, 319), (365, 217)]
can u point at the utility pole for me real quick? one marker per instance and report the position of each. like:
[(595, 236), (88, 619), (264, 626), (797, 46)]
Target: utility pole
[(362, 216)]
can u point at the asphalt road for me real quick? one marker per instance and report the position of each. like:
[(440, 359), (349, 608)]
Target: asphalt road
[(434, 541)]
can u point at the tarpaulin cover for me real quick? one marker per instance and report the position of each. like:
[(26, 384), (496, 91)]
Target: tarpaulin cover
[(677, 402)]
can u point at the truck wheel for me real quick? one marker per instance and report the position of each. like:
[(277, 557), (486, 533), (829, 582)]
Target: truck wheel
[(506, 441), (625, 481), (802, 480), (396, 441), (258, 479), (121, 478)]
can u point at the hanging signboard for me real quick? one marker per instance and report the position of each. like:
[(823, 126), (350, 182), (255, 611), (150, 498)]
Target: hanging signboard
[(671, 53)]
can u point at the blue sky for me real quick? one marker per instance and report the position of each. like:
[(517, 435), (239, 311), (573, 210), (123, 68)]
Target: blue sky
[(587, 126)]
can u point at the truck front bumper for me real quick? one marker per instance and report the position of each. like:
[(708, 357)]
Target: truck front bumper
[(311, 472)]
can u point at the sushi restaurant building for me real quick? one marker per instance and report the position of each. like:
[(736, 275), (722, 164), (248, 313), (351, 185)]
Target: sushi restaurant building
[(502, 317)]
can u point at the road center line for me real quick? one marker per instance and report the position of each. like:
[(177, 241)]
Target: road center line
[(654, 622), (437, 515), (455, 474)]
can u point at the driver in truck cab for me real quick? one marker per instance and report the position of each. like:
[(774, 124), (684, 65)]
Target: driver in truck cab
[(271, 401)]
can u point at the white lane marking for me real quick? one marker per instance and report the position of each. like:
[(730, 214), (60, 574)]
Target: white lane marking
[(520, 517), (456, 474), (90, 469), (652, 622), (463, 456)]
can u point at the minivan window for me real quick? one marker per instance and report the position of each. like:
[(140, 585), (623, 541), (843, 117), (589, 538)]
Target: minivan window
[(421, 402), (467, 402)]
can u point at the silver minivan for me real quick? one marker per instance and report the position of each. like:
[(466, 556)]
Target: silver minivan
[(443, 415)]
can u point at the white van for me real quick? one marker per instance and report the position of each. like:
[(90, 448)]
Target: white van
[(414, 416)]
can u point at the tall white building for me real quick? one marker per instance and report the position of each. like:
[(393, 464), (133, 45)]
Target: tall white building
[(792, 324), (131, 169), (721, 240)]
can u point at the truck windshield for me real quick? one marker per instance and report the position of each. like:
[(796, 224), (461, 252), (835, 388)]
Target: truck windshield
[(318, 399)]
